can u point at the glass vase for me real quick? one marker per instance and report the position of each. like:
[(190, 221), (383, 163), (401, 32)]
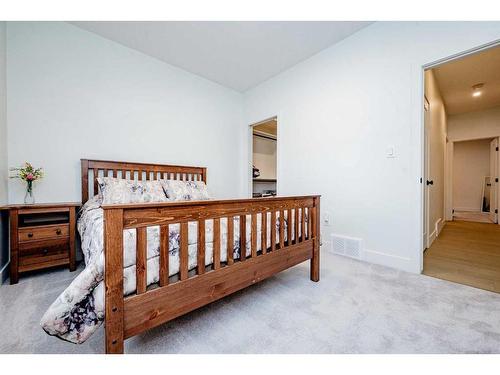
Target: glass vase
[(29, 198)]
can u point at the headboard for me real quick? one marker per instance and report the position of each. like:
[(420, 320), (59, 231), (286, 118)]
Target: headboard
[(91, 169)]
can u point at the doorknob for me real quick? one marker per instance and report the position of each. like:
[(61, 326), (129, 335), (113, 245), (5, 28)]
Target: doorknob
[(430, 182)]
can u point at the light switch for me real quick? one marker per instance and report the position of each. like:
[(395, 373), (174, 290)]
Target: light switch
[(391, 153)]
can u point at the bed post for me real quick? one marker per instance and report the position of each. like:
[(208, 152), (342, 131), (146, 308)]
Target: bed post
[(316, 225), (113, 279)]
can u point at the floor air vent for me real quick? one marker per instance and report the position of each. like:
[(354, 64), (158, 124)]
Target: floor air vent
[(347, 246)]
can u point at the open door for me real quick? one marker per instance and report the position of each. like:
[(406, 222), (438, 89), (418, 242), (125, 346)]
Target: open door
[(426, 186), (494, 164)]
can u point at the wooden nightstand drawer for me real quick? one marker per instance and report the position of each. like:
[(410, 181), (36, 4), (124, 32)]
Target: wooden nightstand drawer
[(43, 247), (34, 255), (43, 232)]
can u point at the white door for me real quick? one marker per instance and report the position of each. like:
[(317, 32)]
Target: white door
[(494, 180), (427, 158)]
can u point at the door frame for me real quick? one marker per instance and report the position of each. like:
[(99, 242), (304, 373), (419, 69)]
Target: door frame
[(421, 136), (448, 191), (496, 178), (250, 153), (426, 174)]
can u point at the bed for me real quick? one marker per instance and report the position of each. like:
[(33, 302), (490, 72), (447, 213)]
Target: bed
[(148, 263)]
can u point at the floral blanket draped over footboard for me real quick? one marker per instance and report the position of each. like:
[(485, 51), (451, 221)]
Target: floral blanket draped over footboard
[(79, 310)]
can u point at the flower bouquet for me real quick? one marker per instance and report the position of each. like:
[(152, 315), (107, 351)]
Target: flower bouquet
[(28, 174)]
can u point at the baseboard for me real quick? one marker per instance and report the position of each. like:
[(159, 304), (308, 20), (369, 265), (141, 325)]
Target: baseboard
[(432, 237), (389, 260), (440, 225), (4, 273), (466, 209)]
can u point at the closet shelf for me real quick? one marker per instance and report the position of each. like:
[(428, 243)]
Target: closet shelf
[(264, 180)]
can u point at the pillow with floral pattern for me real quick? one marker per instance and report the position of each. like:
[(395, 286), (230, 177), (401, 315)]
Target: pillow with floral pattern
[(118, 190), (177, 190)]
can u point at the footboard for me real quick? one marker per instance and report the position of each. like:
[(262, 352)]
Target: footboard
[(291, 243)]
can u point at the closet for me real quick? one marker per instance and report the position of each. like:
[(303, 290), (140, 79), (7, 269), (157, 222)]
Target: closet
[(264, 160)]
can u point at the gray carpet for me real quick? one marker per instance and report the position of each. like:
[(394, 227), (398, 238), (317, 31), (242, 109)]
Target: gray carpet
[(355, 308)]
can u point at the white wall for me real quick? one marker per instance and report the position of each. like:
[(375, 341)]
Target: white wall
[(73, 94), (264, 156), (339, 111), (474, 125), (4, 256), (437, 150), (471, 163)]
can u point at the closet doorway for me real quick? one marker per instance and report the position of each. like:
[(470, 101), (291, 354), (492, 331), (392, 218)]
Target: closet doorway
[(264, 147)]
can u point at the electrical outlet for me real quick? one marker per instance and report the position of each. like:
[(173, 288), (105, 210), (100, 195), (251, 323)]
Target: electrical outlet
[(326, 218)]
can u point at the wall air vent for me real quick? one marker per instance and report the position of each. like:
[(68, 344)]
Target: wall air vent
[(348, 246)]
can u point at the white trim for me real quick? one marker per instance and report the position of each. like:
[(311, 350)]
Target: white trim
[(448, 181), (438, 226), (419, 129), (432, 237), (250, 153), (498, 184), (388, 260), (467, 209), (460, 55)]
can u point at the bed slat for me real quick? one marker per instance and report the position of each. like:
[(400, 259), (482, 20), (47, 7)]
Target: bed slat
[(296, 225), (164, 249), (243, 238), (303, 224), (289, 227), (184, 256), (263, 229), (273, 230), (312, 222), (282, 229), (253, 238), (216, 252), (201, 247), (141, 260), (96, 175), (230, 240)]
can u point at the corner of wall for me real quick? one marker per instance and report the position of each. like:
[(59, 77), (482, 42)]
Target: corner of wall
[(4, 246)]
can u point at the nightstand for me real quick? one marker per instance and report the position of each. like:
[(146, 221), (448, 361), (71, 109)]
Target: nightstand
[(41, 236)]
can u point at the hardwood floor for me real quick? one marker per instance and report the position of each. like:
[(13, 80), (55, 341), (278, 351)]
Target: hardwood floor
[(466, 253)]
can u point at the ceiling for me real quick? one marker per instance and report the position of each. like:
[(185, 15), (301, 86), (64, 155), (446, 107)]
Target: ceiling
[(238, 55), (268, 127), (456, 78)]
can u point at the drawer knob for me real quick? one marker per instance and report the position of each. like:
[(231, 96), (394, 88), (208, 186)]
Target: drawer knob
[(45, 251), (30, 235), (58, 231)]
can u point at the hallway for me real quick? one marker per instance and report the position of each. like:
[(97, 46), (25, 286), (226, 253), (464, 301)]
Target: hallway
[(466, 253)]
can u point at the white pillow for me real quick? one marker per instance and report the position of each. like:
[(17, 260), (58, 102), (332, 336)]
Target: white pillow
[(118, 190), (177, 190)]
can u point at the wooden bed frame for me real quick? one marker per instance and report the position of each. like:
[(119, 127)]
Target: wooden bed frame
[(130, 315)]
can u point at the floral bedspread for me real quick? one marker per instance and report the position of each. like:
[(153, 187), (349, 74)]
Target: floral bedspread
[(79, 311)]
